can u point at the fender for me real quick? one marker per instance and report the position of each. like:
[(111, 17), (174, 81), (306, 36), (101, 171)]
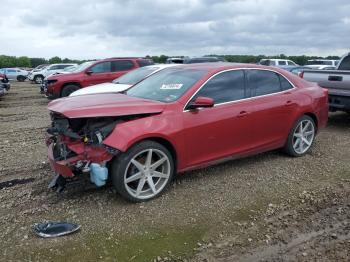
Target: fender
[(127, 134)]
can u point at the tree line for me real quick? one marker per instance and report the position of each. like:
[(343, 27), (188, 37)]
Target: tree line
[(24, 61)]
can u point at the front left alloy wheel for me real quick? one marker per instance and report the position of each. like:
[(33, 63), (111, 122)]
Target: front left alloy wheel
[(143, 172)]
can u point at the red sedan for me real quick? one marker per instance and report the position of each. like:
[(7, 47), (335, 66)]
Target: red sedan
[(179, 119)]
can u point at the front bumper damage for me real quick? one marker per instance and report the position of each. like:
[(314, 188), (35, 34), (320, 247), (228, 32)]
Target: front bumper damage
[(76, 162)]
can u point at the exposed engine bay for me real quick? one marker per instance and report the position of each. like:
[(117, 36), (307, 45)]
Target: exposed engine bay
[(76, 147), (89, 130)]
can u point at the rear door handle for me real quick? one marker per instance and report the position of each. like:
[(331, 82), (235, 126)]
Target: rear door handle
[(242, 114)]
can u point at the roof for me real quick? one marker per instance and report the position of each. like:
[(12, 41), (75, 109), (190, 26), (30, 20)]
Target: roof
[(219, 66), (162, 65)]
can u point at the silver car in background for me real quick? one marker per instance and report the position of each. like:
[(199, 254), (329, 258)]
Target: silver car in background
[(15, 73)]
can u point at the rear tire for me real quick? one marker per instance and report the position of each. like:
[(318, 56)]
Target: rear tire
[(143, 172), (301, 137), (68, 89)]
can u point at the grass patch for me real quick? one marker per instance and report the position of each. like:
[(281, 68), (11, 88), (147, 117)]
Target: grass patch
[(143, 247)]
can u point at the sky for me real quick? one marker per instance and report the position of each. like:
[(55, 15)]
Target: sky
[(83, 29)]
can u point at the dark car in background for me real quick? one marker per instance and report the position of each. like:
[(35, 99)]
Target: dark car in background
[(204, 59), (194, 60), (4, 84), (91, 73)]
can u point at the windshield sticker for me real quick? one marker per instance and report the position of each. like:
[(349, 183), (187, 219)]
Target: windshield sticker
[(171, 86)]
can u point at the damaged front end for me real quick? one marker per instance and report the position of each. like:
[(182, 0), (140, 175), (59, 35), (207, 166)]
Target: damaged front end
[(76, 151)]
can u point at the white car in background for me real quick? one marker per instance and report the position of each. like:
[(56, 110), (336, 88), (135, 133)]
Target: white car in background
[(39, 76), (277, 62), (124, 82), (66, 70), (322, 64)]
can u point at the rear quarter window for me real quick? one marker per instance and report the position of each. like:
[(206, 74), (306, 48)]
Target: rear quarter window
[(122, 65), (285, 84), (263, 82), (145, 62)]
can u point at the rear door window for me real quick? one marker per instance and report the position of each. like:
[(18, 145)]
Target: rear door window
[(285, 84), (122, 65), (63, 66), (103, 67), (224, 87), (263, 82), (53, 67), (282, 62)]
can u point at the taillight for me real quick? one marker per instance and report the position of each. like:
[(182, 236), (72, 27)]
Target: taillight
[(301, 74)]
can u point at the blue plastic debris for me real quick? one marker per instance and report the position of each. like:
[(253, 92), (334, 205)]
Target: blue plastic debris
[(98, 174)]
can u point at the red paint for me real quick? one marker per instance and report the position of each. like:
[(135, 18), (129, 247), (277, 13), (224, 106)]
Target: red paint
[(206, 136)]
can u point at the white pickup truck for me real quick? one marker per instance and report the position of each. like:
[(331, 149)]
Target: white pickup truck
[(336, 81)]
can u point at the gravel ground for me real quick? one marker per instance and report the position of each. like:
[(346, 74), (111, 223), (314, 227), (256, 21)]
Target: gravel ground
[(268, 207)]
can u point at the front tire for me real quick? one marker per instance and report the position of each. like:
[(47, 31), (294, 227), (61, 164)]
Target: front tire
[(68, 89), (21, 78), (38, 79), (301, 137), (143, 172)]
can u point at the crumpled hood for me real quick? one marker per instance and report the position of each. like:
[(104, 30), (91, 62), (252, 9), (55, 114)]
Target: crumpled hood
[(100, 105), (101, 88)]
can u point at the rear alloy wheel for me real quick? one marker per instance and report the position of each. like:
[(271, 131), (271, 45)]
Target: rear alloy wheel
[(143, 172), (68, 89), (301, 137), (38, 79)]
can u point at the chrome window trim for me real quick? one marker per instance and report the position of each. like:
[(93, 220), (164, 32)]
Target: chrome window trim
[(243, 99)]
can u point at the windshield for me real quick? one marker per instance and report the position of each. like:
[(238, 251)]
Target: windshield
[(135, 76), (83, 66), (168, 85)]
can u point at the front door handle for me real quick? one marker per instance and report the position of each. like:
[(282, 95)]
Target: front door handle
[(289, 103), (242, 114)]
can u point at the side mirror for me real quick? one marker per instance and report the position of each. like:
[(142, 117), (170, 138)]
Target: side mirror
[(201, 102), (89, 72)]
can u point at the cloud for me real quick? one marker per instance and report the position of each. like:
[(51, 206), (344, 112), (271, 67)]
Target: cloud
[(92, 29)]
